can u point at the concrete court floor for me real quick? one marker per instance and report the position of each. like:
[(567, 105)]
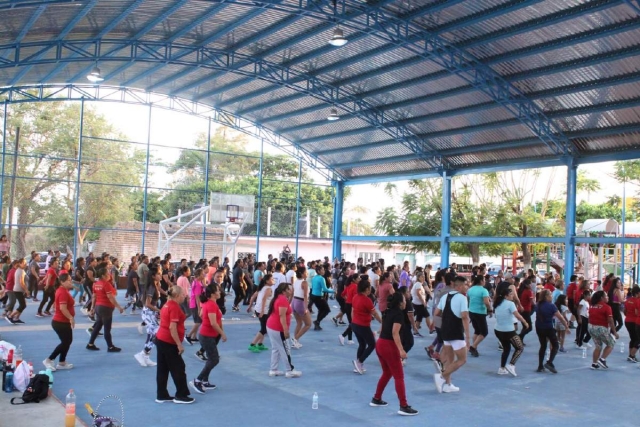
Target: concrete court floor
[(246, 395)]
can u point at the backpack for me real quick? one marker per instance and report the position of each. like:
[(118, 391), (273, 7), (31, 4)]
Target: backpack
[(37, 390)]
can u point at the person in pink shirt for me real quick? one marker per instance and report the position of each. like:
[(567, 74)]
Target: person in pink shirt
[(385, 288), (197, 288), (184, 284)]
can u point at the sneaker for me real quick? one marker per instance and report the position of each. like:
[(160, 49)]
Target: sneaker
[(276, 373), (473, 352), (140, 358), (632, 359), (141, 331), (64, 367), (377, 402), (342, 323), (503, 371), (580, 347), (603, 363), (114, 349), (9, 320), (85, 312), (293, 374), (39, 315), (439, 382), (47, 313), (18, 322), (341, 339), (350, 342), (188, 340), (49, 364), (417, 334), (89, 331), (254, 349), (148, 361), (562, 350), (429, 352), (197, 386), (201, 356), (450, 388), (335, 321), (316, 326), (541, 369), (262, 347), (511, 369), (500, 347), (550, 367), (184, 400), (92, 347), (407, 410), (296, 344), (438, 364), (208, 386), (164, 399), (588, 344), (358, 367), (595, 366)]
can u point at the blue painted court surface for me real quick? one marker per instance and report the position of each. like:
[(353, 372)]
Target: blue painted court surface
[(246, 395)]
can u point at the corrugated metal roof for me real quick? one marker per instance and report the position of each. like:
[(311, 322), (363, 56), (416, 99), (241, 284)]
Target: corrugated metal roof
[(577, 61)]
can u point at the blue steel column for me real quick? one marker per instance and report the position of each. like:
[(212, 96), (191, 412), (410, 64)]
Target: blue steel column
[(624, 231), (338, 203), (4, 158), (298, 208), (76, 226), (146, 182), (445, 225), (570, 229), (206, 186), (259, 200)]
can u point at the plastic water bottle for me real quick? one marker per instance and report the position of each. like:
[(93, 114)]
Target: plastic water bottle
[(8, 382), (70, 410), (621, 347), (314, 405), (584, 352)]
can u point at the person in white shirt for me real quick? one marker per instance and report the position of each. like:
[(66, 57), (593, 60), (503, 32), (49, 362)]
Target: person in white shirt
[(291, 273), (374, 277), (419, 300), (278, 275), (582, 332)]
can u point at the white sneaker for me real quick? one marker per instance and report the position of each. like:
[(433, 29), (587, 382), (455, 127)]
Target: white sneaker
[(140, 329), (341, 339), (84, 311), (512, 369), (350, 342), (49, 364), (295, 344), (450, 388), (580, 347), (140, 357), (148, 361), (503, 371), (276, 373), (439, 381), (66, 366), (293, 374), (358, 367), (589, 345)]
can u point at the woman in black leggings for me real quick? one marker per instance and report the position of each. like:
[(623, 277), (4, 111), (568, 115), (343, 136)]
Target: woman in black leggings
[(237, 283), (616, 296), (62, 323), (361, 312), (545, 330), (103, 303), (506, 315)]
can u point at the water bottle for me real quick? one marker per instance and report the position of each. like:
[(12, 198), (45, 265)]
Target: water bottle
[(70, 410), (314, 405), (621, 347), (8, 382), (584, 352)]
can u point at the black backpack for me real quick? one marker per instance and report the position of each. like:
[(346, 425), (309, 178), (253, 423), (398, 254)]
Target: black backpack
[(37, 390)]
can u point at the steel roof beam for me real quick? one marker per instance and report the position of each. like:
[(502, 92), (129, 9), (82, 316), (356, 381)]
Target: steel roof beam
[(634, 4), (65, 31), (27, 26)]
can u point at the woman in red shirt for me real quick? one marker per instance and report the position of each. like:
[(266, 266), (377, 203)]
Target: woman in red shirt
[(349, 291), (49, 292), (278, 325), (169, 348), (630, 321), (211, 333), (361, 312), (103, 302), (600, 324), (62, 323), (525, 294)]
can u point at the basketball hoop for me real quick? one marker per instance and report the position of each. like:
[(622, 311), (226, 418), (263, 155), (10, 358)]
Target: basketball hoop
[(233, 212)]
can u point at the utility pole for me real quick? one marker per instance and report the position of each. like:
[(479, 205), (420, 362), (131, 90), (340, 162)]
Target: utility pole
[(13, 183)]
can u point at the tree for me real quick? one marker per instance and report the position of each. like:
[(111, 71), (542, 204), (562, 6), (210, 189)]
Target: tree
[(584, 183)]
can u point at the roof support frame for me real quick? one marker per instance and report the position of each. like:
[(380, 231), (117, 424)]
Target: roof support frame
[(27, 26), (634, 4)]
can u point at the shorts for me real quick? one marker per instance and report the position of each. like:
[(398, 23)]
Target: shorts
[(479, 323), (559, 326), (600, 335), (420, 311), (456, 344), (298, 307), (196, 316)]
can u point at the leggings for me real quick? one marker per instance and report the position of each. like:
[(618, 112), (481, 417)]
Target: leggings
[(104, 317), (240, 292), (11, 303), (527, 316), (170, 362), (152, 320), (65, 333), (543, 336), (280, 350), (78, 288), (366, 341), (263, 323), (33, 286), (48, 294), (634, 339), (617, 316), (348, 332), (323, 307), (507, 339), (582, 332), (389, 357), (22, 303), (210, 346)]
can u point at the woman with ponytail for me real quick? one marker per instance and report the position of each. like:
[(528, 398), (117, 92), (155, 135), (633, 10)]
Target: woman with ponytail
[(62, 323), (262, 299), (361, 312), (390, 353), (278, 326), (506, 315)]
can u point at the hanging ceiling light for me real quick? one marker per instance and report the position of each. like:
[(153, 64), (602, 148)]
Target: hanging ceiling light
[(338, 39), (333, 115), (94, 76)]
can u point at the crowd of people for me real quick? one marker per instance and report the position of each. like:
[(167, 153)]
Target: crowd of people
[(166, 294)]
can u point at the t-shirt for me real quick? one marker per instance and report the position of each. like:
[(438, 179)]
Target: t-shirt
[(550, 287), (319, 286), (279, 278), (390, 318), (88, 281), (206, 329), (555, 294), (101, 289), (405, 279), (311, 273), (273, 322), (143, 273), (196, 289), (638, 311), (599, 315), (133, 275), (476, 295), (630, 310), (544, 315), (11, 279), (459, 303), (210, 273), (349, 292), (584, 308), (34, 265), (416, 291), (51, 277), (372, 279), (526, 299), (151, 291), (291, 274), (171, 312), (19, 278), (384, 290), (504, 316), (571, 290), (257, 277), (362, 306), (183, 282), (63, 295)]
